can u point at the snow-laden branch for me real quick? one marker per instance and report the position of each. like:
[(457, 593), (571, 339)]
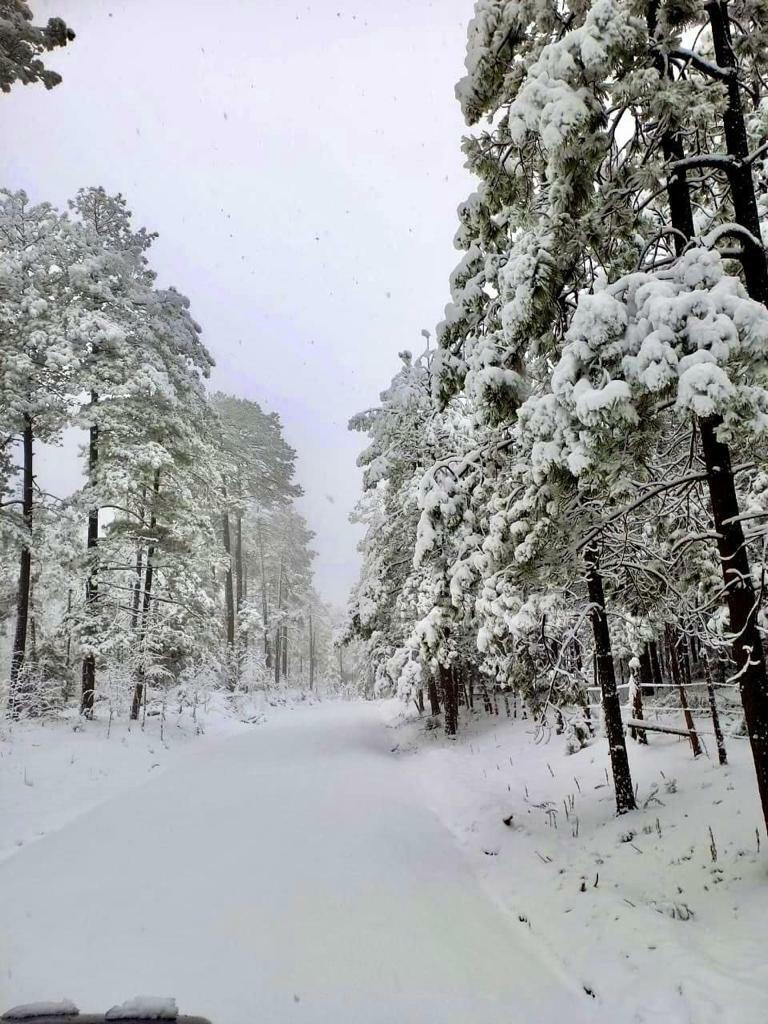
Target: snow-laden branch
[(653, 492), (727, 231), (723, 161), (708, 67)]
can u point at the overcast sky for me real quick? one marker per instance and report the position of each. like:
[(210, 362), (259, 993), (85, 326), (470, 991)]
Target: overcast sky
[(301, 164)]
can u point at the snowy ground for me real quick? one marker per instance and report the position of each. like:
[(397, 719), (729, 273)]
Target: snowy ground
[(53, 770), (636, 908), (321, 867), (292, 872)]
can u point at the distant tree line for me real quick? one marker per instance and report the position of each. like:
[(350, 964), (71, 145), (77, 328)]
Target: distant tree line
[(182, 554)]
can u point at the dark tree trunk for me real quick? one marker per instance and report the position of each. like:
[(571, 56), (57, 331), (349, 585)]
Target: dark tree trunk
[(622, 779), (637, 698), (239, 560), (673, 641), (91, 584), (136, 596), (16, 698), (694, 650), (69, 628), (311, 653), (279, 629), (747, 646), (450, 699), (748, 652), (264, 602), (736, 143), (229, 602), (278, 659), (646, 671), (432, 694), (672, 148), (31, 653), (685, 658), (722, 756), (138, 690)]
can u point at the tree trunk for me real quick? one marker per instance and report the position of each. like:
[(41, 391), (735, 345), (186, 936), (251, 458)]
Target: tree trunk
[(311, 653), (737, 144), (622, 779), (747, 646), (91, 585), (264, 601), (637, 696), (432, 694), (277, 658), (15, 694), (450, 699), (69, 628), (229, 602), (722, 756), (646, 671), (748, 652), (239, 559), (673, 642), (138, 691), (136, 596), (278, 630)]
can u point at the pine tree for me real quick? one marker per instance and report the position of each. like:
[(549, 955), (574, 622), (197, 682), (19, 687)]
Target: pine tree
[(22, 44)]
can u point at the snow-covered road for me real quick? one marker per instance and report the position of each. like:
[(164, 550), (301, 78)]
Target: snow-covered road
[(289, 874)]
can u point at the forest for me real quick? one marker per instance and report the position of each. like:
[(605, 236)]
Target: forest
[(565, 497), (182, 555)]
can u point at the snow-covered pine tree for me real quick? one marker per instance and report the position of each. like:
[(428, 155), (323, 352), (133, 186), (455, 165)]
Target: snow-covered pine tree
[(22, 45), (107, 367), (47, 319)]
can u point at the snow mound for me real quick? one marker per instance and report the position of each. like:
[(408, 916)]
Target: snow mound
[(28, 1011), (145, 1008)]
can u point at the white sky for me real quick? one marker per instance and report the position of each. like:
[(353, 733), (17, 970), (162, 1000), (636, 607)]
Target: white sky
[(301, 163)]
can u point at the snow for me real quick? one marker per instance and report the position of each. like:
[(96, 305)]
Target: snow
[(29, 1011), (342, 862), (634, 908), (292, 871), (689, 333), (145, 1008), (557, 99), (52, 771)]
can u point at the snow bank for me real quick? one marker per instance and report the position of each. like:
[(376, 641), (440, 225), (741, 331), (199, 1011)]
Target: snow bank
[(658, 920)]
